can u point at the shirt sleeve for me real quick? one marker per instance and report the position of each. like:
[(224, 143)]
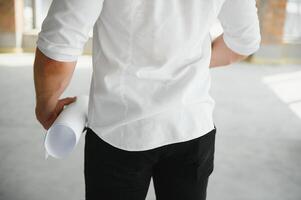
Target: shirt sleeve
[(239, 20), (66, 28)]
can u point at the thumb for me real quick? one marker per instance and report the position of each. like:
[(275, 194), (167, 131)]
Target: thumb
[(67, 101), (63, 102)]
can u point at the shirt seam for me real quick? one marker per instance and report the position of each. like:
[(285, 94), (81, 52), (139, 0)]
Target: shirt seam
[(128, 63)]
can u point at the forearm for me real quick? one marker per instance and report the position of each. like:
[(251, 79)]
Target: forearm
[(51, 77), (221, 55)]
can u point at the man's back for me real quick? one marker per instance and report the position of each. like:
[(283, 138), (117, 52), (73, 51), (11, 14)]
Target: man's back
[(151, 78), (149, 90)]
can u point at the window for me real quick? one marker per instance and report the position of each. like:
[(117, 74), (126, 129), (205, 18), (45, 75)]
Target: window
[(292, 28), (34, 13)]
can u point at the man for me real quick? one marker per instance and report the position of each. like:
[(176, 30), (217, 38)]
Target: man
[(150, 112)]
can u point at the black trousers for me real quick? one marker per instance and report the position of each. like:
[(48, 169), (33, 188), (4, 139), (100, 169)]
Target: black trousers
[(180, 171)]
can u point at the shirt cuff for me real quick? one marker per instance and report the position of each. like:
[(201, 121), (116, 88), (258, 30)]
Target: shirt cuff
[(55, 53), (241, 48)]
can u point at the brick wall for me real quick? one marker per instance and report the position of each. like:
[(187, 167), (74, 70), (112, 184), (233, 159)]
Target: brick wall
[(11, 25), (7, 19), (272, 19)]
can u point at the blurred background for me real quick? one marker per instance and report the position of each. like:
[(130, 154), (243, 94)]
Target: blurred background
[(257, 114)]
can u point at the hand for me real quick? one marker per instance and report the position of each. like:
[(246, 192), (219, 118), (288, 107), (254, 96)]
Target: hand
[(222, 55), (46, 114)]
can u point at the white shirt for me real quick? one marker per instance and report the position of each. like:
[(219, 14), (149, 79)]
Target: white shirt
[(151, 78)]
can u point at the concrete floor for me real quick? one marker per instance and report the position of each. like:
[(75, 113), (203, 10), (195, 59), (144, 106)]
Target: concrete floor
[(258, 144)]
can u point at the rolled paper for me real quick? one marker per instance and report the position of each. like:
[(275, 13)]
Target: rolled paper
[(62, 137)]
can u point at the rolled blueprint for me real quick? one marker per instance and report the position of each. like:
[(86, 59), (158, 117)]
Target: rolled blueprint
[(65, 132)]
